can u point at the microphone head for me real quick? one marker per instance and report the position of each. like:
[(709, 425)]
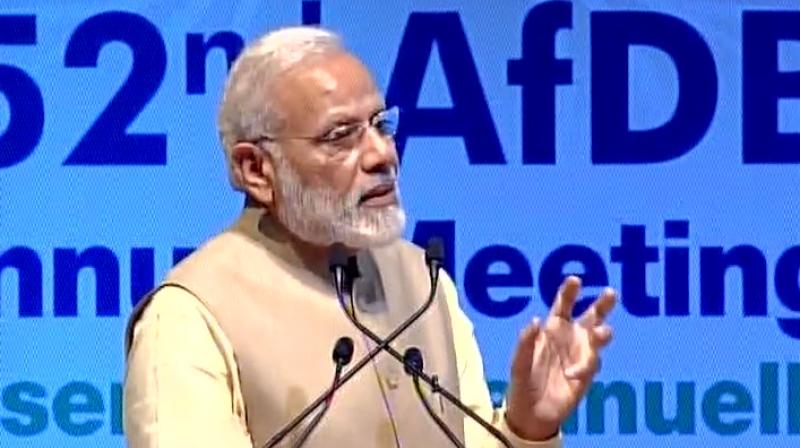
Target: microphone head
[(412, 359), (343, 351), (435, 251), (352, 268), (337, 259)]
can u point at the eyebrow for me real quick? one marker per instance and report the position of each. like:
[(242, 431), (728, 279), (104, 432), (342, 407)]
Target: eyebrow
[(343, 119)]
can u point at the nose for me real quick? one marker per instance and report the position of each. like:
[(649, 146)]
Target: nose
[(379, 152)]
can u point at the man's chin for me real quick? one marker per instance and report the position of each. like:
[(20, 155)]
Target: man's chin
[(375, 235)]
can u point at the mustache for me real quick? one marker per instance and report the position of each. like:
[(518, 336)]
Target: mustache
[(378, 180)]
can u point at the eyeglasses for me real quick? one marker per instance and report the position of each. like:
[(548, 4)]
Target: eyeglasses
[(347, 136)]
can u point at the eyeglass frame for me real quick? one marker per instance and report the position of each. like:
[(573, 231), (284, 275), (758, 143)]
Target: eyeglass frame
[(360, 128)]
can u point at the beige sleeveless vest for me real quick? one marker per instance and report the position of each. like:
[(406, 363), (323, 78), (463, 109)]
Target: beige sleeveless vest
[(283, 321)]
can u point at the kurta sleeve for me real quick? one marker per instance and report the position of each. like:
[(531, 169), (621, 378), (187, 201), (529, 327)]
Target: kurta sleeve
[(473, 388), (181, 386)]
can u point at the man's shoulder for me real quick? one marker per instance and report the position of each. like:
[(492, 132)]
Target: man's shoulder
[(167, 304), (223, 242), (173, 300), (223, 255)]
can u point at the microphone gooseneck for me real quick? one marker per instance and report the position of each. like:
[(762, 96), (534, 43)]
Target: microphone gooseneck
[(434, 259), (342, 354), (337, 267), (413, 364)]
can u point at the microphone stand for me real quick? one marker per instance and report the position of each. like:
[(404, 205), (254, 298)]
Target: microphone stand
[(280, 435)]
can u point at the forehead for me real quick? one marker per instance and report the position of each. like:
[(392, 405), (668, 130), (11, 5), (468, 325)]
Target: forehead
[(324, 87)]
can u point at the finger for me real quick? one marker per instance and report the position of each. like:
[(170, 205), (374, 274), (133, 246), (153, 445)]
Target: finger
[(565, 299), (584, 369), (601, 335), (523, 358), (600, 309), (605, 303)]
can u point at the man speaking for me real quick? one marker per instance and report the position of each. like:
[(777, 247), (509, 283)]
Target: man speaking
[(236, 342)]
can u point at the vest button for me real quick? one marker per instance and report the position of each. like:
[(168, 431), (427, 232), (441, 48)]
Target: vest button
[(392, 382)]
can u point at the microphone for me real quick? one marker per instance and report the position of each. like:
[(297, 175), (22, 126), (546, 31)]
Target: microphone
[(414, 364), (434, 259), (343, 351), (338, 262), (342, 354), (339, 253)]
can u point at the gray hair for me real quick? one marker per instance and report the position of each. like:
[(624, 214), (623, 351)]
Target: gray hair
[(247, 111)]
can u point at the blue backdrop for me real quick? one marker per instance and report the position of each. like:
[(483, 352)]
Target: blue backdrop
[(650, 145)]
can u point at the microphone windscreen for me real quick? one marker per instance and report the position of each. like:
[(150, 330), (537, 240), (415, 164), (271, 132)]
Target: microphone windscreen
[(338, 257), (434, 251), (352, 268), (412, 359), (343, 351)]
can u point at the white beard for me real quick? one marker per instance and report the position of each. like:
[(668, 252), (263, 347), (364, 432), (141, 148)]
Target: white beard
[(322, 217)]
